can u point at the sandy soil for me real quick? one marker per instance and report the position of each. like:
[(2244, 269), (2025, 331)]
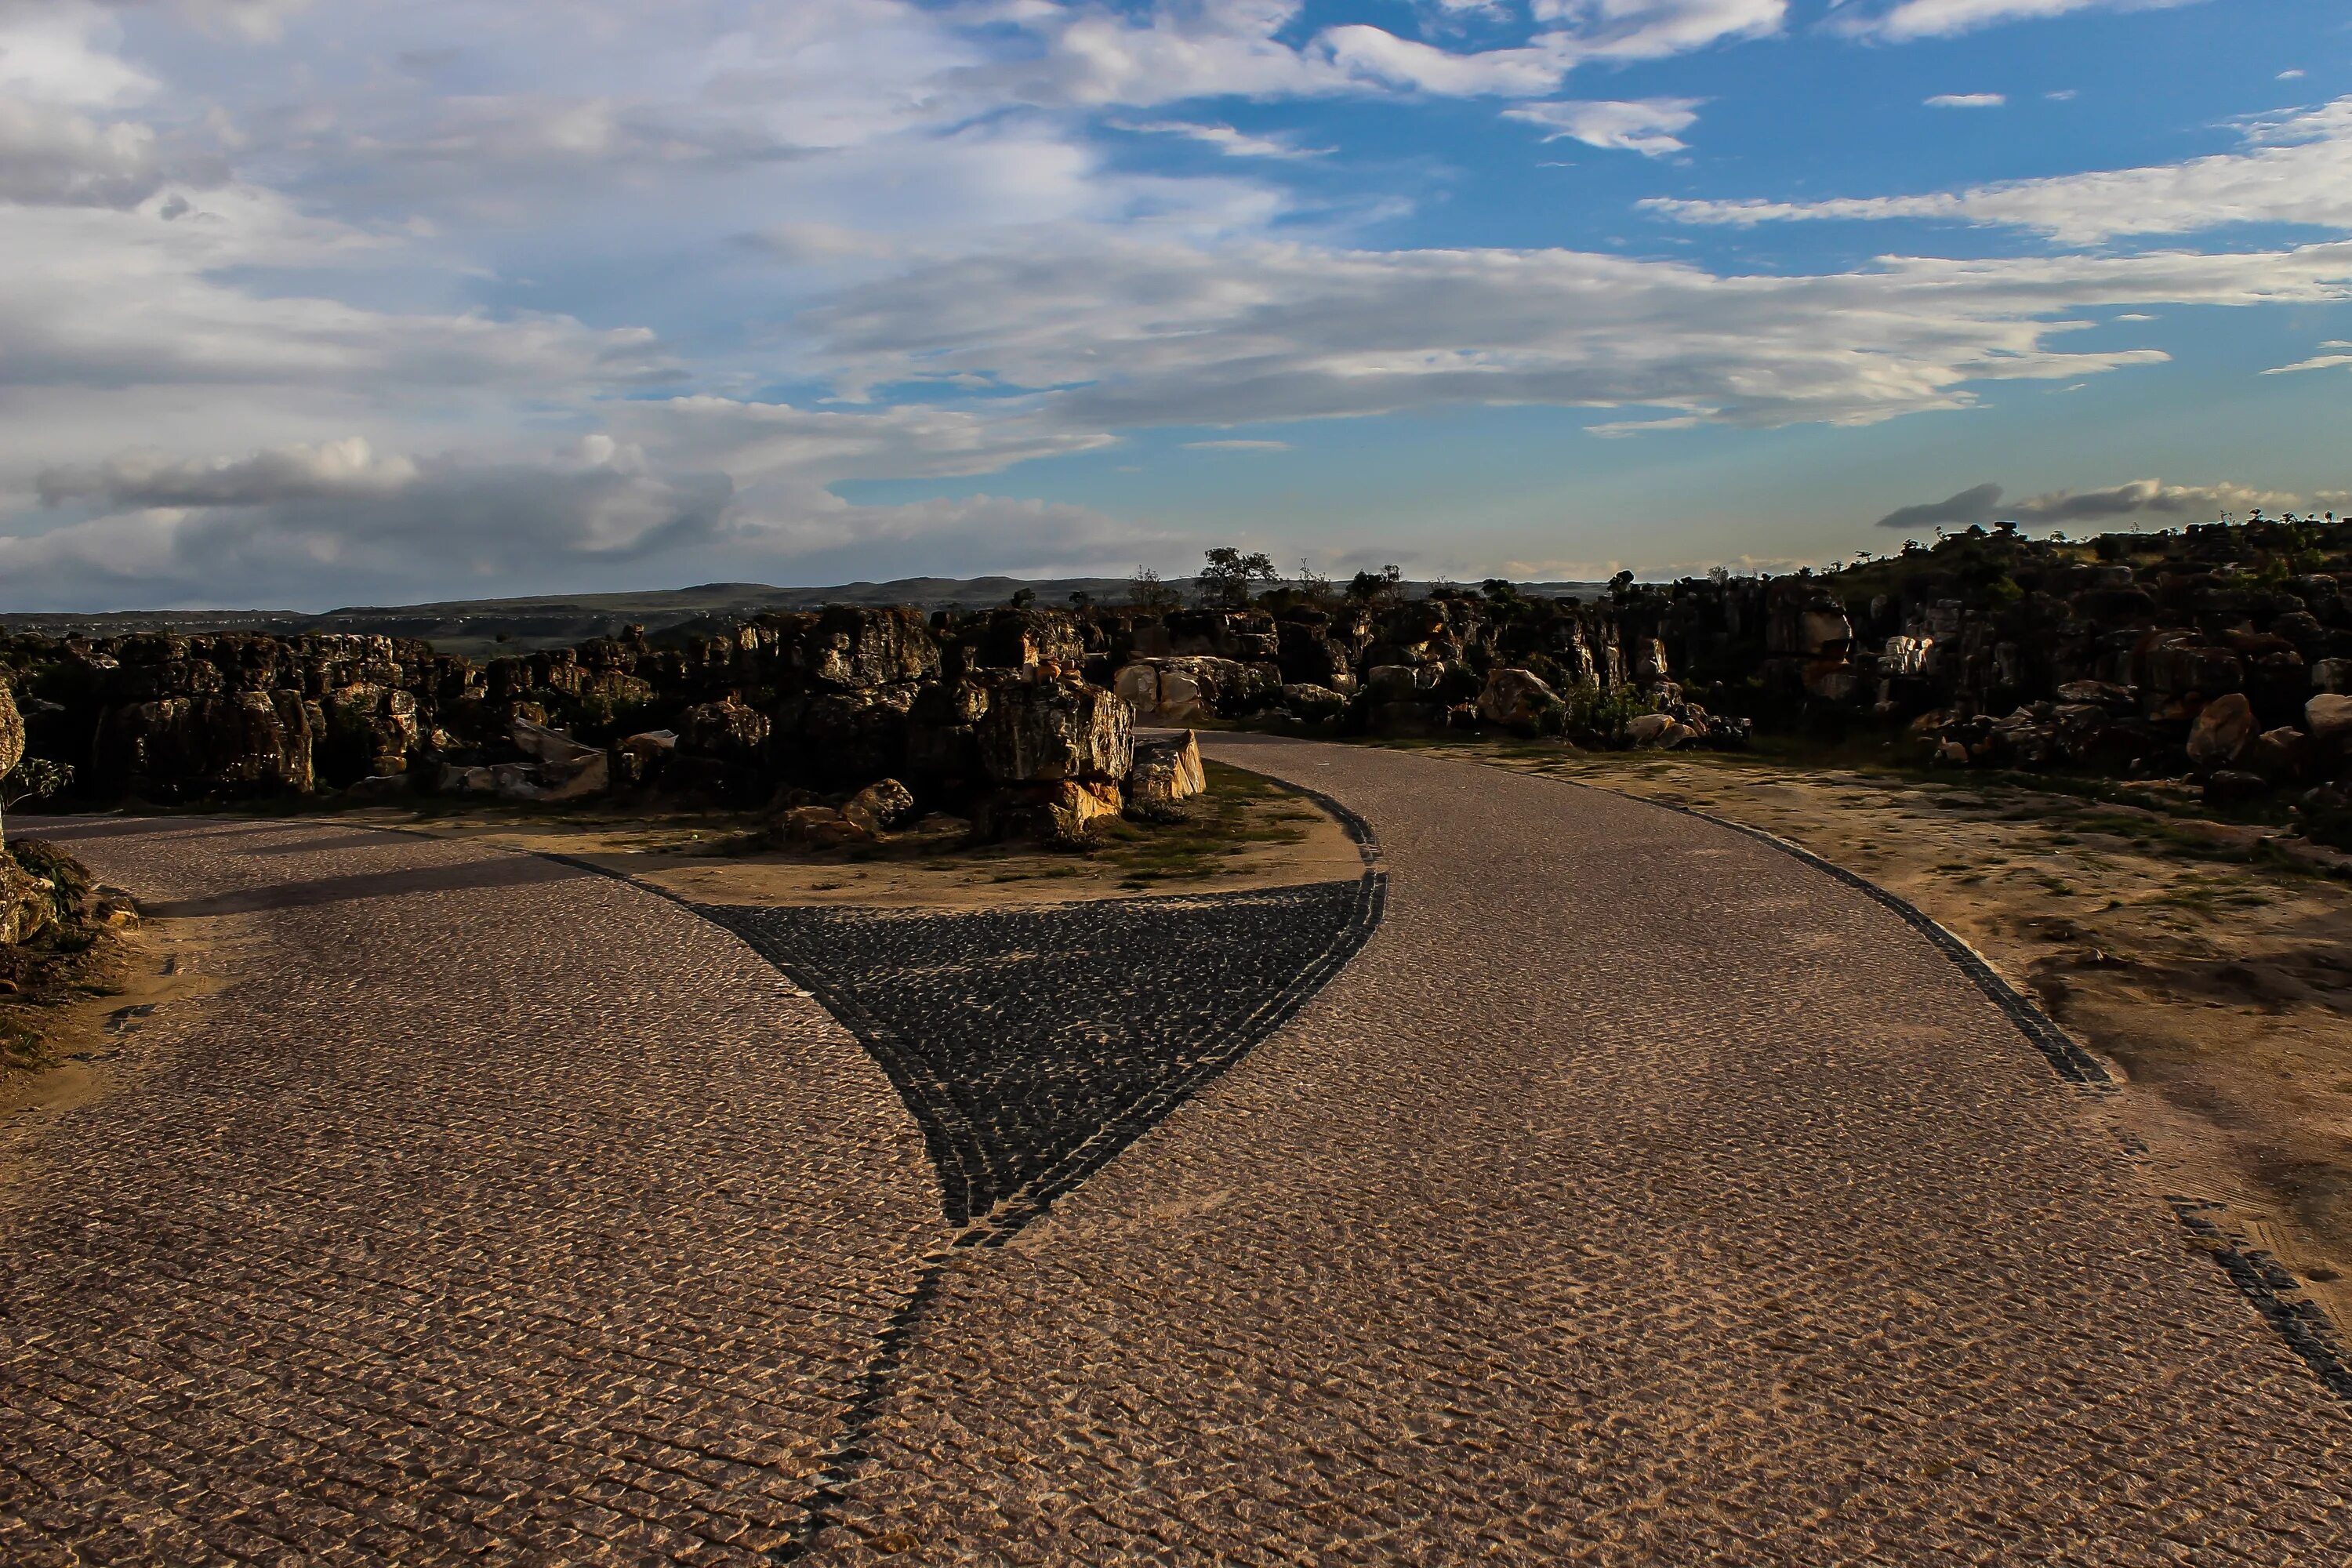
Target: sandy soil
[(1253, 835), (2213, 975), (98, 1042)]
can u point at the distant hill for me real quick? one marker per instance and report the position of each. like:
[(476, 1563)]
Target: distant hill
[(481, 627)]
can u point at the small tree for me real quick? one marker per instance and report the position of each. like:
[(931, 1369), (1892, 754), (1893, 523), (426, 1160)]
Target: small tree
[(1314, 588), (1229, 579), (1383, 588), (33, 778), (1145, 591)]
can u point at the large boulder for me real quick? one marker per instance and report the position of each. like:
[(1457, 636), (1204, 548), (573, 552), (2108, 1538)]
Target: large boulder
[(12, 730), (2224, 729), (880, 807), (561, 768), (1167, 769), (12, 747), (231, 744), (729, 730), (1518, 700), (1056, 810), (852, 647), (1190, 690), (1036, 731), (2328, 717)]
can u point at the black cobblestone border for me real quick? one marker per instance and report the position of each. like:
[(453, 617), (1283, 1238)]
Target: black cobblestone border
[(2307, 1330), (933, 1106), (820, 1506)]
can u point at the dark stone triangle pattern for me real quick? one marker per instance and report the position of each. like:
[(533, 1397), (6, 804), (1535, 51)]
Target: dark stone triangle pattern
[(1033, 1045)]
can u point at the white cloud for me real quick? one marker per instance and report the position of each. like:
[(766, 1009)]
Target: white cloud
[(1237, 446), (95, 297), (1233, 144), (1093, 56), (2324, 361), (2289, 76), (1136, 333), (2140, 499), (62, 52), (263, 530), (50, 153), (1647, 126), (331, 470), (1966, 101), (1909, 19), (2297, 170)]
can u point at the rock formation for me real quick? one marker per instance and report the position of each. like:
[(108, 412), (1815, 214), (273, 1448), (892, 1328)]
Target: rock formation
[(2194, 653)]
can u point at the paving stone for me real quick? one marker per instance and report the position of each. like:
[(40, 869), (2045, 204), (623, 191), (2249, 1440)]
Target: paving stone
[(1034, 1044), (492, 1187), (1639, 1195)]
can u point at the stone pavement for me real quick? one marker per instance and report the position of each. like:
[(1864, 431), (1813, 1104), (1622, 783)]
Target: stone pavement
[(502, 1214), (1638, 1195)]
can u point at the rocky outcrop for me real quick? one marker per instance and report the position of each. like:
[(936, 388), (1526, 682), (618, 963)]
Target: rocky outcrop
[(12, 742), (1166, 771), (1194, 689), (1520, 699), (228, 745), (2224, 730), (1057, 752)]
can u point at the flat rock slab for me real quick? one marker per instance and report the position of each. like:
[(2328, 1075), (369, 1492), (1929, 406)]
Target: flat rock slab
[(1638, 1195), (499, 1212), (1033, 1045)]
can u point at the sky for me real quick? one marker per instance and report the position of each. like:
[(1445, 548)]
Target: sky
[(306, 303)]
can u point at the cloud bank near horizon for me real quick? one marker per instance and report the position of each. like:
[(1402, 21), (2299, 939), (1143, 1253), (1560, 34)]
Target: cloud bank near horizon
[(327, 302)]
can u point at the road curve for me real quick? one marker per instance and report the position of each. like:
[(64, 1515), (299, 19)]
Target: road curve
[(1640, 1195), (500, 1213)]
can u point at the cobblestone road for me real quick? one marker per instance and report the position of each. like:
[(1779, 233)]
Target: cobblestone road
[(1638, 1195), (503, 1214)]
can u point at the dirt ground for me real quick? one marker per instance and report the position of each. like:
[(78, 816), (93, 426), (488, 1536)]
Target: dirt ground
[(1246, 833), (2212, 972), (94, 1041)]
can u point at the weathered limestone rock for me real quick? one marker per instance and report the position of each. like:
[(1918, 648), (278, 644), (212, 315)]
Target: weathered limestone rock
[(943, 735), (638, 758), (226, 743), (1650, 730), (1057, 809), (853, 647), (562, 769), (1045, 730), (1165, 770), (21, 903), (12, 747), (1189, 690), (1517, 699), (12, 730), (1313, 703), (880, 807), (2279, 754), (728, 730), (2223, 731), (2328, 717), (820, 827)]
